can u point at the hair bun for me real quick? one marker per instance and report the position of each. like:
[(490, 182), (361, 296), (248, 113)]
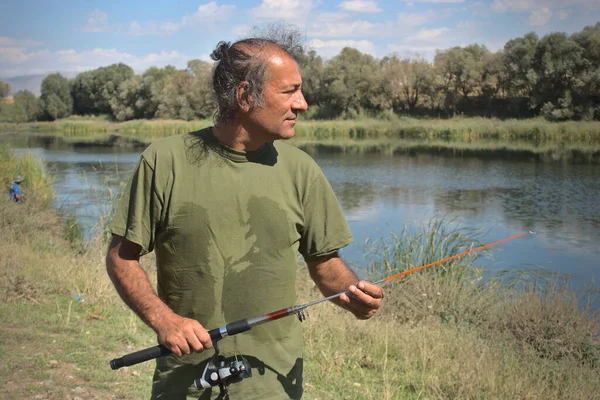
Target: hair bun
[(221, 51)]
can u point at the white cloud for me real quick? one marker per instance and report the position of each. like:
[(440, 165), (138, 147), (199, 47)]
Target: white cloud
[(207, 13), (364, 6), (291, 11), (97, 22), (153, 28), (242, 30), (429, 34), (6, 41), (540, 17), (425, 42), (342, 25), (541, 11), (330, 48), (17, 61), (410, 2), (416, 19)]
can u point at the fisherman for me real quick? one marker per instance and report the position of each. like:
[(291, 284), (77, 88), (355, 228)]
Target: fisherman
[(15, 190), (226, 209)]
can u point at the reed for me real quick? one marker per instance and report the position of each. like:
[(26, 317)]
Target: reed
[(37, 185), (450, 130)]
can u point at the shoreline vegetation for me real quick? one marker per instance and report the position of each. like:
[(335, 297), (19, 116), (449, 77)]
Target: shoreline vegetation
[(570, 141), (442, 333)]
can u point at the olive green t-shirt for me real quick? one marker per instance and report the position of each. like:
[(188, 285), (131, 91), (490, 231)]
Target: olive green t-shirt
[(226, 227)]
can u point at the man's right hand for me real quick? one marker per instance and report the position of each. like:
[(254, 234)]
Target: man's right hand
[(183, 335)]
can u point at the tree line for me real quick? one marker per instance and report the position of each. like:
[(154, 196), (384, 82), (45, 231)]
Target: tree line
[(557, 76)]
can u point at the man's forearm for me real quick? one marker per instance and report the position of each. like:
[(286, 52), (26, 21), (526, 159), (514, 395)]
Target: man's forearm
[(135, 289), (331, 275)]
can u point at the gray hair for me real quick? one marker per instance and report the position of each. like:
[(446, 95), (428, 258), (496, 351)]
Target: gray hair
[(246, 60)]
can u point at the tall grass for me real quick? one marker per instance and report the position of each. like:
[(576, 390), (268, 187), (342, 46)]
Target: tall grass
[(450, 130), (458, 129), (37, 184), (450, 291), (99, 128), (446, 333)]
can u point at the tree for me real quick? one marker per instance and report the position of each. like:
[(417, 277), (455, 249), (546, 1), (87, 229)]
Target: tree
[(152, 98), (28, 102), (407, 80), (312, 70), (351, 81), (93, 91), (450, 68), (55, 99), (558, 64), (589, 89), (4, 90), (127, 104), (11, 112), (519, 54), (200, 95)]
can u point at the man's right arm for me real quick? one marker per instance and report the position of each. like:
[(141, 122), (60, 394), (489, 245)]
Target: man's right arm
[(180, 335)]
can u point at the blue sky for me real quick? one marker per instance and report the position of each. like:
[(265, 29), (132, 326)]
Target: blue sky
[(41, 36)]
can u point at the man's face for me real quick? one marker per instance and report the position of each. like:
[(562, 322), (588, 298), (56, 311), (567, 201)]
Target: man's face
[(283, 100)]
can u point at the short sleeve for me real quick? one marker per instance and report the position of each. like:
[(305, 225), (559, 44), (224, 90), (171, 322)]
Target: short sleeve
[(325, 227), (139, 209)]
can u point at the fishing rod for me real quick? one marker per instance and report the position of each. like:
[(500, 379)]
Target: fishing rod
[(221, 371), (246, 324)]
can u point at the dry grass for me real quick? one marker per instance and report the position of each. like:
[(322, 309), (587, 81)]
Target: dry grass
[(424, 357), (470, 341), (552, 321)]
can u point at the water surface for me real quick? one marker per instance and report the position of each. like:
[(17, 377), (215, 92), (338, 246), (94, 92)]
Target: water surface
[(380, 194)]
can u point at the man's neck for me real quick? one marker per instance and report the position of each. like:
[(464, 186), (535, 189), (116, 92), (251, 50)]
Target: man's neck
[(236, 136)]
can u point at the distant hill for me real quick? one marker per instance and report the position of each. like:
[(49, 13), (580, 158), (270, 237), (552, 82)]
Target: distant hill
[(32, 82)]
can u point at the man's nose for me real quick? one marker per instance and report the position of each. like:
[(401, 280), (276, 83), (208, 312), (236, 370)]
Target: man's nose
[(299, 103)]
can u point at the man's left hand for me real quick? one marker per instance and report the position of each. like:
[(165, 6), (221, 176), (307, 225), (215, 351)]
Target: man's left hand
[(363, 300)]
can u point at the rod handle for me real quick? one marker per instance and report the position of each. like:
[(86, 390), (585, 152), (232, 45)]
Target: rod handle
[(159, 351), (151, 353)]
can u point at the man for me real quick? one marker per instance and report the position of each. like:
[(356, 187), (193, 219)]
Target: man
[(15, 189), (226, 209)]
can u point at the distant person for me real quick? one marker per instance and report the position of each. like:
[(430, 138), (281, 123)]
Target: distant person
[(15, 190)]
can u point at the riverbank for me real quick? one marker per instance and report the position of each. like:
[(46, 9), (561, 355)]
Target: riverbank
[(534, 139), (439, 335), (456, 129)]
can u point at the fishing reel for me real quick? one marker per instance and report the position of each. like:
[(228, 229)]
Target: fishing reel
[(223, 371)]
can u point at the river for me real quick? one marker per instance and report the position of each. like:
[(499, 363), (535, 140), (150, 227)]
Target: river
[(381, 194)]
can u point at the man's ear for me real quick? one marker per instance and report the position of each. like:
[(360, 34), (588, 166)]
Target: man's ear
[(242, 96)]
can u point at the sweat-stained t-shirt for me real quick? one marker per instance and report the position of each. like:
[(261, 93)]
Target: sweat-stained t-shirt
[(226, 227)]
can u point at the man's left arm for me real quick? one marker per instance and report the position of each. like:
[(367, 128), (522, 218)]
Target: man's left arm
[(332, 276)]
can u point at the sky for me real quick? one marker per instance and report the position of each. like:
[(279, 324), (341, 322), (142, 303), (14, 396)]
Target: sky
[(43, 36)]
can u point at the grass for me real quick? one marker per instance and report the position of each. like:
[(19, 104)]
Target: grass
[(441, 334)]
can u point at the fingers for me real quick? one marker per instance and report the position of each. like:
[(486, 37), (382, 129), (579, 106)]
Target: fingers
[(203, 336), (363, 300), (183, 336)]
